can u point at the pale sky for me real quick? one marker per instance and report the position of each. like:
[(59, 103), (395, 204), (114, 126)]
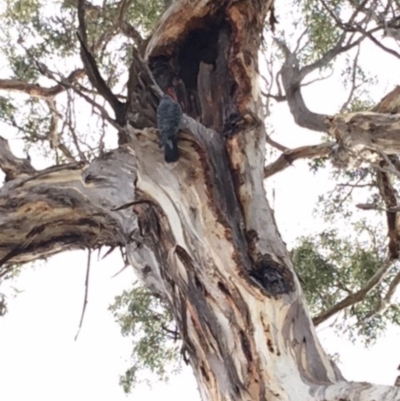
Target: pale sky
[(39, 359)]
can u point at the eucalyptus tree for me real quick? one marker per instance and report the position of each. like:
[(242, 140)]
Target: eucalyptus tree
[(82, 83)]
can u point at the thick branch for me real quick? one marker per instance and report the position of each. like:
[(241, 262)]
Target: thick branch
[(289, 156), (66, 207), (292, 75), (291, 80), (367, 131)]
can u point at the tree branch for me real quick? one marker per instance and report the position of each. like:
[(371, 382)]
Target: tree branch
[(130, 31), (338, 48), (386, 301), (101, 109), (63, 207), (326, 58), (36, 90), (289, 156), (378, 43), (365, 133), (275, 144), (92, 70), (292, 75), (357, 296), (392, 289), (291, 81), (54, 135), (390, 103)]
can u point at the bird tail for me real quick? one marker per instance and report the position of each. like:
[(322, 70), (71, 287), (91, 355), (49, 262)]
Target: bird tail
[(171, 152)]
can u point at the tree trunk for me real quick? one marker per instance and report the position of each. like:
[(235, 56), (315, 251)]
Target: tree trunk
[(200, 232)]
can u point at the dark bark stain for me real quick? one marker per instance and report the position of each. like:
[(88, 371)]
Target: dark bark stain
[(232, 124), (270, 346), (245, 346), (204, 373), (92, 179), (35, 231), (223, 288), (146, 270), (199, 285), (87, 222)]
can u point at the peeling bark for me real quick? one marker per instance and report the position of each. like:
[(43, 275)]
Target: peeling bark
[(364, 132), (200, 232), (366, 136)]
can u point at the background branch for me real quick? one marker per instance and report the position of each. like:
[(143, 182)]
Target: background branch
[(357, 296), (93, 72), (287, 158), (36, 90)]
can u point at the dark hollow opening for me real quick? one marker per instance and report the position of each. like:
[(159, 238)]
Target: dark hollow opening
[(199, 72)]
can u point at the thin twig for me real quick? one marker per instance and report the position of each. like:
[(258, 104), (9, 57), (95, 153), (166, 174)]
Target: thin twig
[(121, 270), (377, 42), (353, 82), (85, 301)]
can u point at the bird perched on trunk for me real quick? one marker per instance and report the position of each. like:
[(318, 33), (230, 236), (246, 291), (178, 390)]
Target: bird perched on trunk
[(169, 115)]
